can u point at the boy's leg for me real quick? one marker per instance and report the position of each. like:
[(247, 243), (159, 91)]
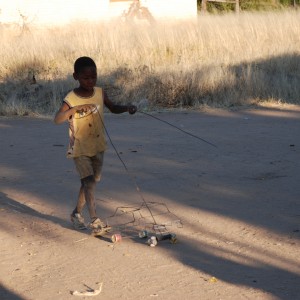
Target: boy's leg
[(97, 226), (84, 167), (97, 163), (89, 183), (88, 186), (76, 216), (89, 169), (80, 202), (86, 195)]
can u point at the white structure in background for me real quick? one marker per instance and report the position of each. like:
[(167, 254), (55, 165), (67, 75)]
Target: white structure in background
[(59, 12)]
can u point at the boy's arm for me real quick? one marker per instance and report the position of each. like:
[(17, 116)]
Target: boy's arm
[(118, 109), (66, 112)]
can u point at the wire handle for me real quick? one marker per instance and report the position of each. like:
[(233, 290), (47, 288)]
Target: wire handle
[(129, 173)]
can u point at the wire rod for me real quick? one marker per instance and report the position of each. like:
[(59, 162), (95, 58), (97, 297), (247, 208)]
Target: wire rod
[(186, 132)]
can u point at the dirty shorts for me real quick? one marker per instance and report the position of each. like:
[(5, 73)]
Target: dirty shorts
[(89, 166)]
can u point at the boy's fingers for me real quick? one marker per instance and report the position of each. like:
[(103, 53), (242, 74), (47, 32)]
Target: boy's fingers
[(84, 108)]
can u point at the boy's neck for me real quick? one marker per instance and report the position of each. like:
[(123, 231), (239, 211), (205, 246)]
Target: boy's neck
[(83, 92)]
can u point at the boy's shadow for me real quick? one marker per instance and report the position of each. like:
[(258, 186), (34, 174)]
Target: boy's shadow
[(13, 205), (6, 294)]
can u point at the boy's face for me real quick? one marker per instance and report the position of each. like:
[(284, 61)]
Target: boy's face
[(87, 78)]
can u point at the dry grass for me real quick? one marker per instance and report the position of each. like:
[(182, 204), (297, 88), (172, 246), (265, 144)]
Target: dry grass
[(219, 61)]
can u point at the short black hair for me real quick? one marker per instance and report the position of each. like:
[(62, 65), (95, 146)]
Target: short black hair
[(83, 62)]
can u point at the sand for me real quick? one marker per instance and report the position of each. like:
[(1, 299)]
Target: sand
[(234, 208)]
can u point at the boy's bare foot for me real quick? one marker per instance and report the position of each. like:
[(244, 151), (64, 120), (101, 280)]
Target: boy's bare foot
[(78, 221), (99, 228)]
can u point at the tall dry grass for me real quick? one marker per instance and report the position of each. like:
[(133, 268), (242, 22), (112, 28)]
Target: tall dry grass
[(218, 60)]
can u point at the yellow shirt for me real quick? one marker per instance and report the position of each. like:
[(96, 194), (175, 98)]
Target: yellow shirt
[(86, 130)]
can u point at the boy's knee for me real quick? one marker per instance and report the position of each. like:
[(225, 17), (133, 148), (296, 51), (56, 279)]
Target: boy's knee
[(88, 182), (97, 177)]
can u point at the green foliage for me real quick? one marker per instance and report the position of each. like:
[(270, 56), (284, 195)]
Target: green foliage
[(249, 5), (216, 7)]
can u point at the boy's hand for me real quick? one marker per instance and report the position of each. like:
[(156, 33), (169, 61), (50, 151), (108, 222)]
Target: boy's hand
[(132, 109)]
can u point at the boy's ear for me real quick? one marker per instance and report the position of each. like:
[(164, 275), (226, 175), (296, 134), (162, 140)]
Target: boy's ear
[(75, 76)]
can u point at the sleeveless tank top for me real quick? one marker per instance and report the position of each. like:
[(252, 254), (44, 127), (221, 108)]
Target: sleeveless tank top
[(86, 129)]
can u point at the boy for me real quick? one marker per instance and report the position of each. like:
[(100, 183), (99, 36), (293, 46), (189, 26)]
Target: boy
[(83, 108)]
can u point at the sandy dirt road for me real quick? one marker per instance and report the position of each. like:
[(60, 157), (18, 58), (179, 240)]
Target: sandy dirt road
[(239, 205)]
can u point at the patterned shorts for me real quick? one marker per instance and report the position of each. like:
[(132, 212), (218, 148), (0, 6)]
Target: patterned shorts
[(89, 166)]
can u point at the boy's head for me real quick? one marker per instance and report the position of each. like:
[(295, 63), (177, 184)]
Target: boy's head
[(83, 62), (85, 71)]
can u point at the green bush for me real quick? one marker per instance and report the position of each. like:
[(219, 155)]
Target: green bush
[(249, 5)]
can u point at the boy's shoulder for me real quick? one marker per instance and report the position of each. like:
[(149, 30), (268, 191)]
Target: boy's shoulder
[(70, 94), (70, 98), (97, 91)]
